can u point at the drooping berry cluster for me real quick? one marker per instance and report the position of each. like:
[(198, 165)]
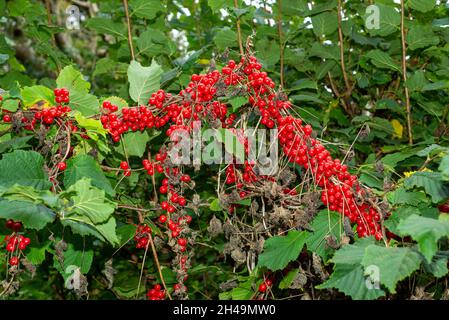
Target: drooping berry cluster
[(15, 243)]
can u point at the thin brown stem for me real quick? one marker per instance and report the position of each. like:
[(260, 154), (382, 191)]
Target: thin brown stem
[(281, 45), (342, 51), (156, 260), (239, 32), (404, 74), (128, 23)]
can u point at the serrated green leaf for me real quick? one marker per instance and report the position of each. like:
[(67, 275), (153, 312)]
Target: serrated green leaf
[(421, 37), (85, 103), (10, 105), (324, 224), (72, 79), (24, 168), (394, 264), (225, 38), (325, 23), (106, 26), (143, 81), (135, 143), (382, 60), (237, 102), (84, 166), (426, 232), (422, 5), (146, 9), (89, 202), (280, 250), (31, 215), (431, 182), (31, 95)]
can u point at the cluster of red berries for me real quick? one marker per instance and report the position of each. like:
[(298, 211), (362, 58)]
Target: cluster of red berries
[(125, 167), (264, 286), (14, 242), (49, 115), (142, 236), (131, 119), (156, 293), (61, 95), (156, 165)]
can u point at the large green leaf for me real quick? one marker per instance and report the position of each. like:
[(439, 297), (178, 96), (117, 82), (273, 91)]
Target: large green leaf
[(146, 9), (389, 21), (72, 79), (326, 224), (32, 216), (225, 38), (432, 183), (421, 37), (31, 95), (422, 5), (280, 250), (24, 168), (89, 202), (85, 103), (84, 166), (382, 60), (106, 26), (348, 275), (324, 23), (135, 143), (143, 81), (394, 264), (426, 232)]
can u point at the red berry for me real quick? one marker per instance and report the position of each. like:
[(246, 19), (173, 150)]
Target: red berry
[(6, 118), (262, 287), (124, 165), (162, 218), (182, 242), (185, 178), (62, 166), (14, 261)]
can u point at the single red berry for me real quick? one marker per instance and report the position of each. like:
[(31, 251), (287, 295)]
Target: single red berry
[(262, 287), (182, 242), (14, 261), (124, 165), (162, 218), (185, 178), (6, 118), (127, 173), (62, 166)]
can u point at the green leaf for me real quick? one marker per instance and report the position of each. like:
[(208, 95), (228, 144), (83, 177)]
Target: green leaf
[(90, 202), (216, 5), (421, 37), (348, 275), (268, 51), (231, 143), (431, 182), (382, 60), (143, 81), (84, 166), (103, 65), (11, 105), (72, 79), (77, 257), (108, 230), (24, 168), (394, 264), (85, 103), (31, 95), (237, 102), (444, 166), (146, 9), (391, 160), (106, 26), (135, 143), (325, 224), (426, 232), (31, 215), (438, 267), (422, 5), (280, 250), (225, 38), (36, 254), (288, 279), (402, 196), (215, 205), (324, 23), (389, 21)]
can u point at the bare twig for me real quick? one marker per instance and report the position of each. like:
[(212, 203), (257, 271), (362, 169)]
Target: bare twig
[(342, 51), (404, 74), (281, 45), (128, 23), (239, 32), (156, 260)]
